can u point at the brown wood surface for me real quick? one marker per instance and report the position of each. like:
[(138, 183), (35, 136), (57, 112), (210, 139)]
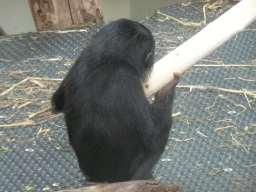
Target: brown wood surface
[(60, 14), (50, 14), (84, 11), (128, 186)]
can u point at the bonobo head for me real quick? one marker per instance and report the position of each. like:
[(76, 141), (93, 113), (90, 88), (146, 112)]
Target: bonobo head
[(124, 40)]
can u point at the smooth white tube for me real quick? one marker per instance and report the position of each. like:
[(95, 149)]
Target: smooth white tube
[(202, 44)]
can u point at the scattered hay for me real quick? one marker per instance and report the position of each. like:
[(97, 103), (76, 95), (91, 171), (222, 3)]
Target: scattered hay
[(179, 21), (175, 139), (243, 91), (221, 128), (31, 79), (31, 91)]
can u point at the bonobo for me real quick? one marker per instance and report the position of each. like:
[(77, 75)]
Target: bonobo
[(116, 133)]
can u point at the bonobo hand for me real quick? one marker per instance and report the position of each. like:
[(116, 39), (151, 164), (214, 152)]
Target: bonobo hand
[(169, 88)]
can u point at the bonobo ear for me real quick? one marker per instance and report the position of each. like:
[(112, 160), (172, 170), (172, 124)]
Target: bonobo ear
[(149, 54)]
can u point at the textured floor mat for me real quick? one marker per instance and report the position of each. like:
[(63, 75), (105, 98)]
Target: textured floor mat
[(212, 143)]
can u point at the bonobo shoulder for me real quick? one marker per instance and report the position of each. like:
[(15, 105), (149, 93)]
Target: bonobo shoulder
[(126, 80)]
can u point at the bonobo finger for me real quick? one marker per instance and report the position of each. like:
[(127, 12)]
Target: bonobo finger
[(176, 79), (169, 88), (176, 75)]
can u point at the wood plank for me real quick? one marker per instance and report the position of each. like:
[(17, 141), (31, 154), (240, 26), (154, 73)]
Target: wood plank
[(85, 11), (50, 14), (127, 186)]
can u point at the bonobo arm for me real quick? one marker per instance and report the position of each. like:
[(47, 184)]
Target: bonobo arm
[(164, 97)]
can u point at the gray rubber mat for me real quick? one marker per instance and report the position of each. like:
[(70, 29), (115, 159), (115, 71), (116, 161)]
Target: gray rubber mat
[(212, 143)]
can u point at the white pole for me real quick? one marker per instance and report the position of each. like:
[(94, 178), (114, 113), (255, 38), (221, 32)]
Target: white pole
[(202, 44)]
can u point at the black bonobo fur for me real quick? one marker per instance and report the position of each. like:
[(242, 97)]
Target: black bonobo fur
[(116, 133)]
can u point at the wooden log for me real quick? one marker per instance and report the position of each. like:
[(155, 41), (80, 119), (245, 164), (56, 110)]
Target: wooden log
[(60, 14), (202, 44), (128, 186), (85, 11), (51, 14)]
